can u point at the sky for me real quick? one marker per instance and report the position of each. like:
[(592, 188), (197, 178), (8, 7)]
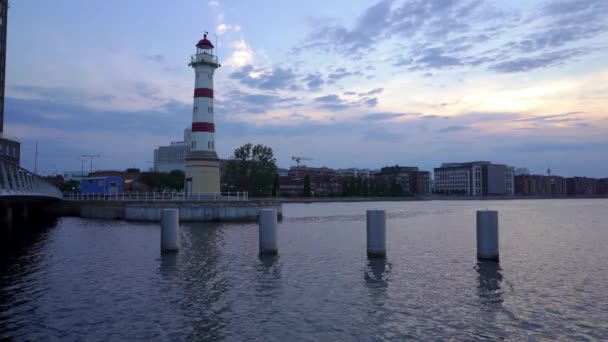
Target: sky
[(350, 83)]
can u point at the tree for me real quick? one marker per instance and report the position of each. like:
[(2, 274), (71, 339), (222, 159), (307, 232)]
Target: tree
[(307, 191), (276, 185), (163, 181), (70, 186), (344, 188), (251, 168)]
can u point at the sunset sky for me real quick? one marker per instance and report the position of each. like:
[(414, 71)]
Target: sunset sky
[(348, 83)]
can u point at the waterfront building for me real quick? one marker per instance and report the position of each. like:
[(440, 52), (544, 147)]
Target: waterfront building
[(299, 172), (478, 178), (202, 162), (410, 178), (602, 186), (353, 173), (173, 156), (10, 148), (540, 185), (582, 186)]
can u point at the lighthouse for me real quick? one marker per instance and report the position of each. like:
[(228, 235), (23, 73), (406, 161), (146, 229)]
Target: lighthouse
[(202, 163)]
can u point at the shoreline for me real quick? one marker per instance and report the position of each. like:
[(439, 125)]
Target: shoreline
[(427, 198)]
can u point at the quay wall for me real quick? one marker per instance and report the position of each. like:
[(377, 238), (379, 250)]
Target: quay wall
[(189, 211)]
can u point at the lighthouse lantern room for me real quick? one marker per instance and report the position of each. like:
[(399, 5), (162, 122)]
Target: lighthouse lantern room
[(202, 163)]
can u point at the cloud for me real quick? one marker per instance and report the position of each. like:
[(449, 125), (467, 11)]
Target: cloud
[(457, 128), (545, 60), (372, 92), (332, 103), (214, 3), (271, 79), (449, 34), (382, 116), (314, 81), (241, 54), (341, 73), (299, 116), (223, 28), (371, 102), (551, 118), (382, 136), (240, 102)]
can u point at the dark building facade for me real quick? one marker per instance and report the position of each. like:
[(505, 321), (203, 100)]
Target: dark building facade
[(540, 185), (602, 186), (410, 178), (10, 150), (582, 186)]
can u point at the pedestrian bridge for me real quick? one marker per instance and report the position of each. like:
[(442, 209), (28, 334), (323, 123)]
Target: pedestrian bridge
[(20, 187)]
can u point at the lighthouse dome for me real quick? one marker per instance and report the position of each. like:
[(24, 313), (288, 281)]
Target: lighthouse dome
[(204, 43)]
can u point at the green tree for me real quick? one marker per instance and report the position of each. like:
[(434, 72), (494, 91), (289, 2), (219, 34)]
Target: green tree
[(251, 168), (307, 191), (163, 181), (345, 188), (70, 186), (276, 186)]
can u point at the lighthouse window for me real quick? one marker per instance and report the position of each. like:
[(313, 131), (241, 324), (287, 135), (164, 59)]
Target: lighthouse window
[(210, 110), (197, 75), (195, 109)]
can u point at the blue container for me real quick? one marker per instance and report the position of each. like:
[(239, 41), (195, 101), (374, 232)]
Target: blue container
[(101, 185)]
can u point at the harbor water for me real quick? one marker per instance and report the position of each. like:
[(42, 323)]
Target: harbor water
[(74, 279)]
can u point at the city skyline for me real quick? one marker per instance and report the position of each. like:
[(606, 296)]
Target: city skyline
[(346, 83)]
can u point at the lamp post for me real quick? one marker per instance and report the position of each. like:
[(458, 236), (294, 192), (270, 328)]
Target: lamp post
[(91, 157)]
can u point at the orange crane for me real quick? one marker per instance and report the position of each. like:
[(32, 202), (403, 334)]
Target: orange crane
[(297, 159)]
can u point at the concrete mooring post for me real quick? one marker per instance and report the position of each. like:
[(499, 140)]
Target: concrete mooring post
[(376, 233), (169, 230), (487, 235), (268, 231)]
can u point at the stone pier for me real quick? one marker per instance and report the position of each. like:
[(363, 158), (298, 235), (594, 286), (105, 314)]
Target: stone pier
[(189, 211)]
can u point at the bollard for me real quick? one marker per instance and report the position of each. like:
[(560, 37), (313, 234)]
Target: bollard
[(169, 230), (487, 235), (268, 231), (376, 233)]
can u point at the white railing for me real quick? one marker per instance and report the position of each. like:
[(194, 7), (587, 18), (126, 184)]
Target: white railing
[(161, 196), (203, 57), (17, 181)]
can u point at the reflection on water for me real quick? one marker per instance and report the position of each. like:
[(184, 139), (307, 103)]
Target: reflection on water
[(489, 289), (205, 283), (267, 276), (107, 280), (377, 272)]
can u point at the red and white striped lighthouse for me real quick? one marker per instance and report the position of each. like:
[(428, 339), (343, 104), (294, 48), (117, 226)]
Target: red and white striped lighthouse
[(202, 163)]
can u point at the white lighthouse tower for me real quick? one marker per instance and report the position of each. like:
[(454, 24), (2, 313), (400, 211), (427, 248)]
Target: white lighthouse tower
[(202, 163)]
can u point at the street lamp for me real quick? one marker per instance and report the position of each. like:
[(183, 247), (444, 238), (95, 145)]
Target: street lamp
[(91, 157)]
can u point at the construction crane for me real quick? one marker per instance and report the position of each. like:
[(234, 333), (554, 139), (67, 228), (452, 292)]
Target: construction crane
[(298, 159)]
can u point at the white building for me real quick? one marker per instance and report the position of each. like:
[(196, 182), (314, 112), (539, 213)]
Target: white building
[(480, 178), (353, 173), (173, 156)]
